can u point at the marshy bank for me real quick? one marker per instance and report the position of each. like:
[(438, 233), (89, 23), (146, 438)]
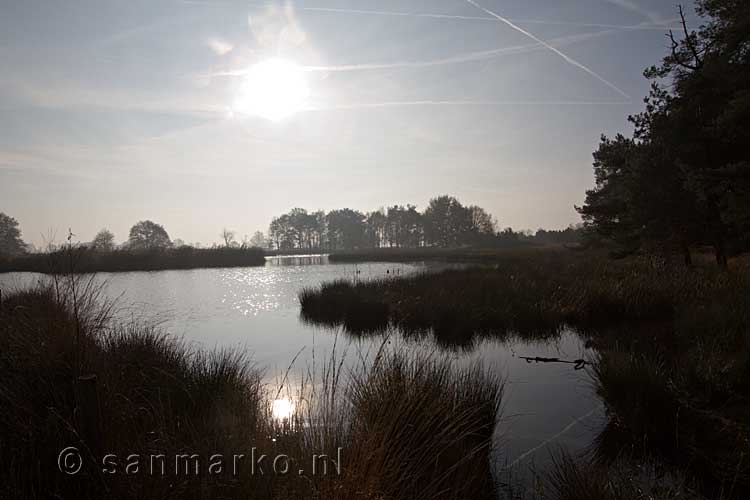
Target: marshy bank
[(407, 427), (674, 362), (88, 260), (438, 254)]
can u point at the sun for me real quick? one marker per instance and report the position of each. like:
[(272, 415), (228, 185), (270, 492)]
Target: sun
[(273, 89), (283, 409)]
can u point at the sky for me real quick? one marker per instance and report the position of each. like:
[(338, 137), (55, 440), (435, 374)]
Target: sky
[(203, 114)]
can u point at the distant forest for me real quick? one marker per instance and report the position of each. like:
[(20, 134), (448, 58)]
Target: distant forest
[(445, 223)]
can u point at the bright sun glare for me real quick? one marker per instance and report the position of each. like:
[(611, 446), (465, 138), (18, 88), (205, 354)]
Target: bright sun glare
[(272, 89), (283, 409)]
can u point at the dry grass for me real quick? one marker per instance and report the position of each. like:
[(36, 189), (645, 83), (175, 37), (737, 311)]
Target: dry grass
[(674, 369), (407, 427)]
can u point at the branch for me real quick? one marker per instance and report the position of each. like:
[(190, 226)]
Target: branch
[(689, 39), (676, 57)]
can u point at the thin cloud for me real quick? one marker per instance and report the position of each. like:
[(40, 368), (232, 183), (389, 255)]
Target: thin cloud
[(653, 17), (566, 58), (219, 46), (77, 96), (642, 26)]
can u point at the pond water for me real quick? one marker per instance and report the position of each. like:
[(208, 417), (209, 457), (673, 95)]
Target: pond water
[(545, 406)]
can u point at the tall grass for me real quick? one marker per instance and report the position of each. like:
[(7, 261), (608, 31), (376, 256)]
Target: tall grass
[(569, 479), (674, 368), (532, 294), (407, 427)]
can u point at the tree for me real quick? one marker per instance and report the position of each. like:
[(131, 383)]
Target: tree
[(403, 226), (10, 236), (228, 237), (146, 235), (375, 229), (446, 221), (607, 210), (281, 233), (684, 178), (710, 72), (346, 229), (258, 240), (483, 226), (104, 241)]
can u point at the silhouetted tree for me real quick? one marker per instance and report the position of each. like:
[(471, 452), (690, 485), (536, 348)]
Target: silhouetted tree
[(446, 222), (297, 229), (10, 236), (375, 227), (571, 234), (345, 229), (147, 235), (483, 226), (280, 232), (684, 178), (403, 226), (104, 241), (228, 236)]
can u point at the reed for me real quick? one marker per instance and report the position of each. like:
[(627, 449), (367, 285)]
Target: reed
[(674, 364), (408, 427), (86, 260)]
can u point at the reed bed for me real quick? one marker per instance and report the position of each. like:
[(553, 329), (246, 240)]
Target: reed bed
[(87, 260), (406, 427), (674, 349)]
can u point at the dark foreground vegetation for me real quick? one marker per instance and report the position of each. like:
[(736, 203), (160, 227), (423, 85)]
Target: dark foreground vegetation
[(89, 260), (674, 365), (408, 427)]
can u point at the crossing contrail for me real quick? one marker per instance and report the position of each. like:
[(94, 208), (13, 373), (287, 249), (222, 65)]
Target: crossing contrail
[(641, 26), (566, 58), (462, 58), (457, 59), (653, 17)]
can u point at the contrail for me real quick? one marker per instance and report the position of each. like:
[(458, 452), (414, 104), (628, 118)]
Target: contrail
[(567, 59), (641, 26), (548, 441), (653, 17), (396, 104), (401, 14), (461, 58)]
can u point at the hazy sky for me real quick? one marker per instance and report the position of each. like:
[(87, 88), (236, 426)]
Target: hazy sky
[(114, 112)]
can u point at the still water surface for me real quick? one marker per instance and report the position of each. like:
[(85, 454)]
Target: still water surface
[(546, 406)]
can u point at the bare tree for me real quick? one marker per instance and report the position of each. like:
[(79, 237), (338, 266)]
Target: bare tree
[(258, 240), (228, 236)]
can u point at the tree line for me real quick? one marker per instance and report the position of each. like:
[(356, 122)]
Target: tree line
[(682, 180), (144, 235), (445, 222)]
